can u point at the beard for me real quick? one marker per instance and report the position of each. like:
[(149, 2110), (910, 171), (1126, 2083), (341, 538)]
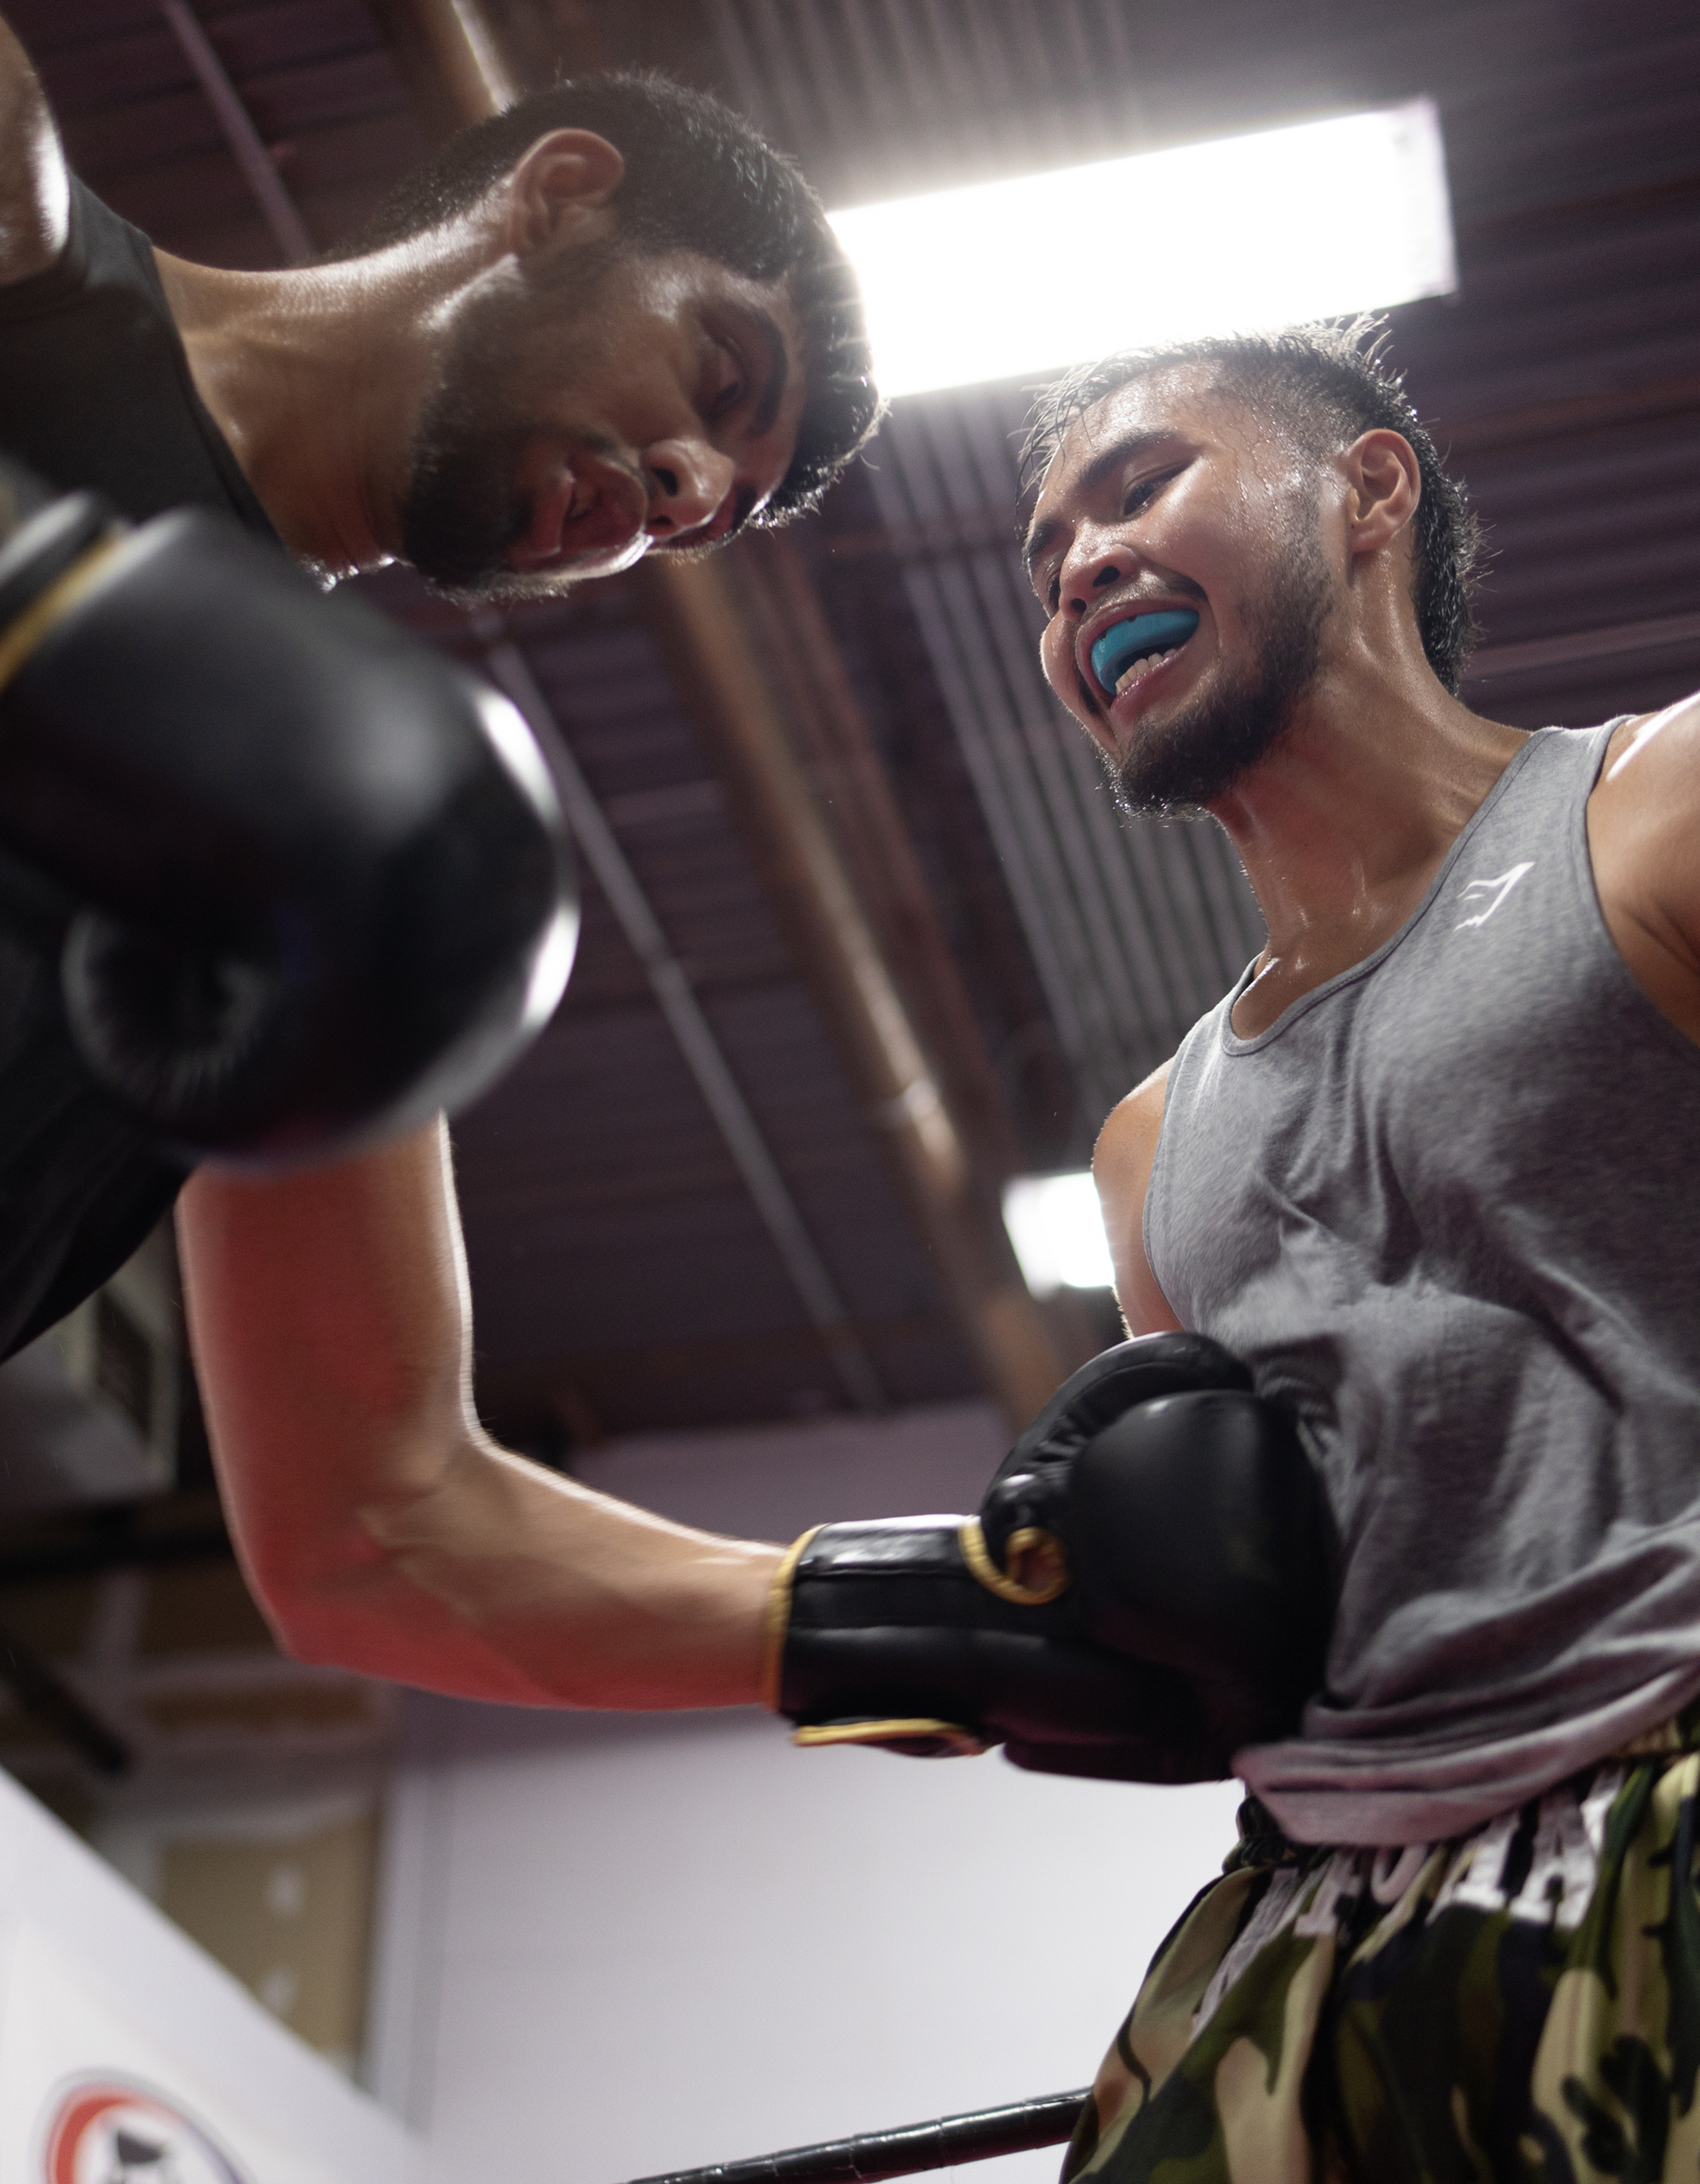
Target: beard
[(462, 512), (1197, 756)]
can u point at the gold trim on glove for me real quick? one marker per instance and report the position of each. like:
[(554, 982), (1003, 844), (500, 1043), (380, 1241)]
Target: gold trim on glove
[(776, 1620), (1036, 1563), (19, 638), (958, 1743)]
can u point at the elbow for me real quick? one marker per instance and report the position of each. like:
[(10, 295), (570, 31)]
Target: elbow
[(321, 1616), (300, 1627)]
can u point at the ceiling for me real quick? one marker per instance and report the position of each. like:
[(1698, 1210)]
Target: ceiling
[(635, 1264)]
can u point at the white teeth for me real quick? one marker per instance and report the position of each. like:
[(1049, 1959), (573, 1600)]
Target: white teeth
[(1141, 668)]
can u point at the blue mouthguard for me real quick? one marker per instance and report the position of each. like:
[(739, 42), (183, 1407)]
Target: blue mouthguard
[(1122, 643)]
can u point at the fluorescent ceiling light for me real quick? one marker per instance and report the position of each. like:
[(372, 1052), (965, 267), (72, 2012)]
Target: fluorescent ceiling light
[(1058, 1233), (1032, 275)]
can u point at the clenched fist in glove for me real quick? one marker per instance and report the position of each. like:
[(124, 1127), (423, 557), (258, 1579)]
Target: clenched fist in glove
[(314, 883), (1146, 1589)]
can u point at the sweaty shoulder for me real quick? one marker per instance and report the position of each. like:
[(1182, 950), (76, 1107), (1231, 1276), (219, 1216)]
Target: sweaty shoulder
[(1122, 1164), (35, 191), (1644, 842)]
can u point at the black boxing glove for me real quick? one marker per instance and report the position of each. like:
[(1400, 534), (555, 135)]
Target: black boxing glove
[(1155, 1514), (1194, 1528), (893, 1633), (1023, 1506), (322, 883)]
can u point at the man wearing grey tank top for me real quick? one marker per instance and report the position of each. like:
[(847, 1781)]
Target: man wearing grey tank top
[(1429, 1170)]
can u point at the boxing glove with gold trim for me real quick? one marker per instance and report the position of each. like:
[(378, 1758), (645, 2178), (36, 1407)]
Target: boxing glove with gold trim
[(1147, 1588), (899, 1634), (315, 881)]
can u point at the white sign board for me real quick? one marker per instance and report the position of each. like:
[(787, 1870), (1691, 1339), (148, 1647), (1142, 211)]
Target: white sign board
[(88, 2095), (128, 2056)]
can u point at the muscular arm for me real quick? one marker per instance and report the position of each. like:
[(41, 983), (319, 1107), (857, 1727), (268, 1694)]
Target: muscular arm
[(379, 1527), (1122, 1168), (35, 197)]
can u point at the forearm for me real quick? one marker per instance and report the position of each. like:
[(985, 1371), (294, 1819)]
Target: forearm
[(34, 189), (379, 1527)]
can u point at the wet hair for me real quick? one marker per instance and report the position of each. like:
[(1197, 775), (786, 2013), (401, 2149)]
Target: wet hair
[(1325, 385), (698, 177)]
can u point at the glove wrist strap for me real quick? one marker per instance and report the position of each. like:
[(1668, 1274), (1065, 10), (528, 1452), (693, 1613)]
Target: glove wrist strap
[(776, 1621)]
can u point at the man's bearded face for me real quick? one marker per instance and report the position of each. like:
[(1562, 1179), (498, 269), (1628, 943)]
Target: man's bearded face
[(594, 403), (1176, 547), (465, 507)]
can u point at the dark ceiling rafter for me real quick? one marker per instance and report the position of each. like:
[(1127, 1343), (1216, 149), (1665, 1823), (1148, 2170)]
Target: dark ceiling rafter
[(703, 1053), (703, 624), (260, 169), (703, 620)]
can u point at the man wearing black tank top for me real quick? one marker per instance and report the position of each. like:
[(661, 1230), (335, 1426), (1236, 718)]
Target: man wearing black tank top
[(547, 355)]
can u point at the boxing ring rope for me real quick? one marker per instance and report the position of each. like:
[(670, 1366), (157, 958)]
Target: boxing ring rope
[(904, 2152)]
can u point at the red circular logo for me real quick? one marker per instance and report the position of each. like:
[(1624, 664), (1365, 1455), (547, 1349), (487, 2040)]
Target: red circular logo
[(107, 2130)]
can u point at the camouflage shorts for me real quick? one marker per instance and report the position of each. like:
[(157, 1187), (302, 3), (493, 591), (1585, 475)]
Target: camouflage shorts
[(1522, 2004)]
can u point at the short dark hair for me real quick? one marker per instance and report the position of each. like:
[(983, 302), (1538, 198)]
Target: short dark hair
[(1326, 383), (698, 177)]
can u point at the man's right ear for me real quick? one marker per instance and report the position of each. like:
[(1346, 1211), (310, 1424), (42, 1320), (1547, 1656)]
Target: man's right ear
[(560, 177)]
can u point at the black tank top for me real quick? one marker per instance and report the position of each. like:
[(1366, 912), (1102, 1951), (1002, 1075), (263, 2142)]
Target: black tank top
[(94, 385), (94, 392)]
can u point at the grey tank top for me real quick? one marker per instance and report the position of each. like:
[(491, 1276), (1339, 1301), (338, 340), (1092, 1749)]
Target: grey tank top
[(1448, 1208)]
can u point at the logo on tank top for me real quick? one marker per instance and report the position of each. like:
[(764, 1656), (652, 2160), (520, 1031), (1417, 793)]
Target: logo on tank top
[(1487, 895)]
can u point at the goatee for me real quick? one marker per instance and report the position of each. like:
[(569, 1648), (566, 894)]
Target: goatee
[(462, 511), (1197, 754)]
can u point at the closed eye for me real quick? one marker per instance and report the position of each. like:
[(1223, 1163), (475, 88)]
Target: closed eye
[(728, 383)]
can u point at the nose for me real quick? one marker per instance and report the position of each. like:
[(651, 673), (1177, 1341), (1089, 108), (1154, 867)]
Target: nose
[(688, 481), (1093, 564)]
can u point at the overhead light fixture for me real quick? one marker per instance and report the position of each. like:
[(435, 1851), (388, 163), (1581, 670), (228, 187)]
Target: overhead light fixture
[(1058, 1232), (1248, 232)]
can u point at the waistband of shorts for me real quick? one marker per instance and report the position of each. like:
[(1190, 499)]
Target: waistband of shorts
[(1681, 1733), (1262, 1843)]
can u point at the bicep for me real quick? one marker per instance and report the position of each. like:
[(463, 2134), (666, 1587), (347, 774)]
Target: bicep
[(1121, 1167), (35, 189)]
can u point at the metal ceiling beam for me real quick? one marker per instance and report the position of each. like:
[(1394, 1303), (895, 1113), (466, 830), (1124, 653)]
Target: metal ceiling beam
[(43, 1696), (799, 652), (671, 985), (260, 169), (703, 620), (449, 59)]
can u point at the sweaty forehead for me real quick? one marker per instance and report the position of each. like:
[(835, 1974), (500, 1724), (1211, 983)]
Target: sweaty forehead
[(1177, 402), (1178, 407)]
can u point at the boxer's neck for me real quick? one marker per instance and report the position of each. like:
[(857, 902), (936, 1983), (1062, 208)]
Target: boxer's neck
[(316, 376), (1343, 825)]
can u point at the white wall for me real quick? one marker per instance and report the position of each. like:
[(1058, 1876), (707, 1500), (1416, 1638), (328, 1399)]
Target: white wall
[(613, 1945)]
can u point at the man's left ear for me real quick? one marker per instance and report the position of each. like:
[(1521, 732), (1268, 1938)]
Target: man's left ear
[(563, 176), (1385, 486)]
